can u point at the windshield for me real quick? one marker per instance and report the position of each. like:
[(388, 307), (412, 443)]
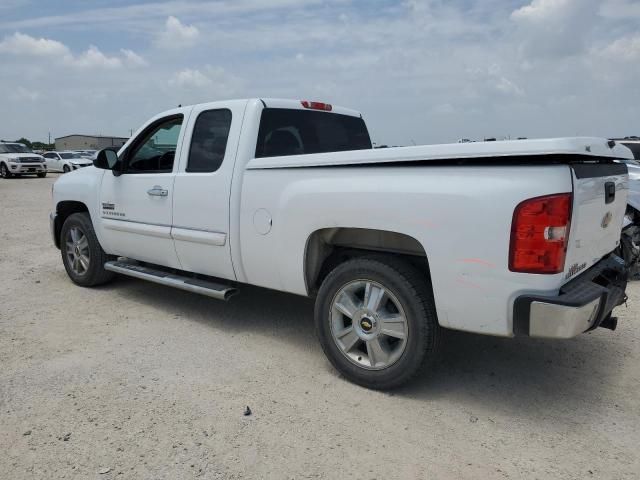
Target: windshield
[(70, 155), (14, 148)]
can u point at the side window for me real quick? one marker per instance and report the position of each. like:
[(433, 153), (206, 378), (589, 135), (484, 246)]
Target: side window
[(155, 152), (209, 141)]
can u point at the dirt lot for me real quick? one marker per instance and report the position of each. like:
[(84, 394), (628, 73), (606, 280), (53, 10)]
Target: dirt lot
[(141, 381)]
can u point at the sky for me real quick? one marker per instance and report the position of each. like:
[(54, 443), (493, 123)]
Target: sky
[(420, 71)]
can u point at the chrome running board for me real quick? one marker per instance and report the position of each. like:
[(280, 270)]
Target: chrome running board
[(195, 285)]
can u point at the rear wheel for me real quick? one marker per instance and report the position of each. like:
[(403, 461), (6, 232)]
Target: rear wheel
[(82, 255), (66, 169), (4, 171), (376, 321)]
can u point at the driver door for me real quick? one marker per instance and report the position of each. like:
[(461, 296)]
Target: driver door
[(136, 205)]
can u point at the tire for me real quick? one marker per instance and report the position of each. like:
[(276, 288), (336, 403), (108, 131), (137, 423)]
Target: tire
[(66, 169), (42, 174), (4, 171), (77, 241), (408, 295)]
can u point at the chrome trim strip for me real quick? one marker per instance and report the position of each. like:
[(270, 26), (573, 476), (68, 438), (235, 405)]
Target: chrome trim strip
[(163, 225), (199, 236), (153, 230)]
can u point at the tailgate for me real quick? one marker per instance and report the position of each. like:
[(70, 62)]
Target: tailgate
[(599, 203)]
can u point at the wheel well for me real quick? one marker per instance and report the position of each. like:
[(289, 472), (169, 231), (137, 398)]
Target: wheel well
[(63, 210), (329, 247)]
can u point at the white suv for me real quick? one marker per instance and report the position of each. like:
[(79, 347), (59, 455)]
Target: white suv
[(18, 159), (66, 161)]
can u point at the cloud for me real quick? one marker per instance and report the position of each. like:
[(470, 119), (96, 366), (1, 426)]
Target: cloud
[(427, 70), (190, 78), (204, 84), (493, 80), (544, 10), (22, 94), (21, 44), (555, 28), (132, 59), (626, 49), (143, 15), (177, 35), (94, 58), (620, 9)]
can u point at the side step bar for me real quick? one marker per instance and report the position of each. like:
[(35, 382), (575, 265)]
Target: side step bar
[(195, 285)]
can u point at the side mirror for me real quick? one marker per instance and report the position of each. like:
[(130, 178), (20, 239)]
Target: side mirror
[(106, 160)]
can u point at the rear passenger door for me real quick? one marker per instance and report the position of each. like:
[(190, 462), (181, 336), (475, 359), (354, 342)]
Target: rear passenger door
[(202, 187)]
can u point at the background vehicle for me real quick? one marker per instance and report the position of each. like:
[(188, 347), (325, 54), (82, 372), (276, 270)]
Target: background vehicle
[(86, 153), (630, 239), (499, 238), (66, 161), (18, 159)]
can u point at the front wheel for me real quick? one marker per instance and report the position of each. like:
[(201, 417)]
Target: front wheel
[(82, 255), (42, 174), (4, 171), (66, 169), (376, 321)]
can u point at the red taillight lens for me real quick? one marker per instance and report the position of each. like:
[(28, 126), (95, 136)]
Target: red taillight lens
[(539, 234), (316, 105)]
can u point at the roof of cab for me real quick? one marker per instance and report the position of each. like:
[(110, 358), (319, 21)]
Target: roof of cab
[(297, 105), (270, 103)]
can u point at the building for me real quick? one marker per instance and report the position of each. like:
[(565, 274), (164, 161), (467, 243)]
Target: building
[(88, 142)]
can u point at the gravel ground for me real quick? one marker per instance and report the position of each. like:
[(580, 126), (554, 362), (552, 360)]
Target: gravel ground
[(134, 380)]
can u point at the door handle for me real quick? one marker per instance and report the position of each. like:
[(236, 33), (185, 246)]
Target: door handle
[(158, 191), (609, 192)]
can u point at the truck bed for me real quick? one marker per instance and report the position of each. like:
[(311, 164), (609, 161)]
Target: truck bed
[(554, 150)]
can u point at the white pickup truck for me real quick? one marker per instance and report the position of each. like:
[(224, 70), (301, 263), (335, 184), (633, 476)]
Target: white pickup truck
[(500, 238)]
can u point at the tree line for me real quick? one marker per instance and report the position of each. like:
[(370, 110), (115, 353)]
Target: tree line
[(33, 145)]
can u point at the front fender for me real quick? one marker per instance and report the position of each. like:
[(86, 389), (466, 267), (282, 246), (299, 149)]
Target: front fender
[(81, 186)]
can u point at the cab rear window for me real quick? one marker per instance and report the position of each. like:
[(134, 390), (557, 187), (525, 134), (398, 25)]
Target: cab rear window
[(286, 132)]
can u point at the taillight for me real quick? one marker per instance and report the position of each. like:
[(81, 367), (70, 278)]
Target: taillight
[(316, 105), (539, 234)]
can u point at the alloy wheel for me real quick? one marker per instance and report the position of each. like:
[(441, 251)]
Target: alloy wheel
[(77, 250), (368, 324)]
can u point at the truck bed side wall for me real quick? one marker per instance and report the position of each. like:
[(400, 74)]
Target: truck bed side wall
[(460, 215)]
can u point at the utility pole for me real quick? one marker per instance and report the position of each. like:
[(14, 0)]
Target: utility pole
[(49, 138)]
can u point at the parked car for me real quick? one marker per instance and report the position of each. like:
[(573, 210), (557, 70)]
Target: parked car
[(497, 238), (86, 153), (66, 161), (17, 159), (630, 239)]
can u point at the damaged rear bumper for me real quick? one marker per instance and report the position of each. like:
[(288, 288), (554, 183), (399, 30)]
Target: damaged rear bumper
[(582, 304)]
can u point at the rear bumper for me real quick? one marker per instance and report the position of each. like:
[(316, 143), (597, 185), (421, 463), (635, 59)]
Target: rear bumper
[(582, 304)]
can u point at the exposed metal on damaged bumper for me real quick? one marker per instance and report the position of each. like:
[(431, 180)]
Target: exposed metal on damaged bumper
[(582, 304)]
